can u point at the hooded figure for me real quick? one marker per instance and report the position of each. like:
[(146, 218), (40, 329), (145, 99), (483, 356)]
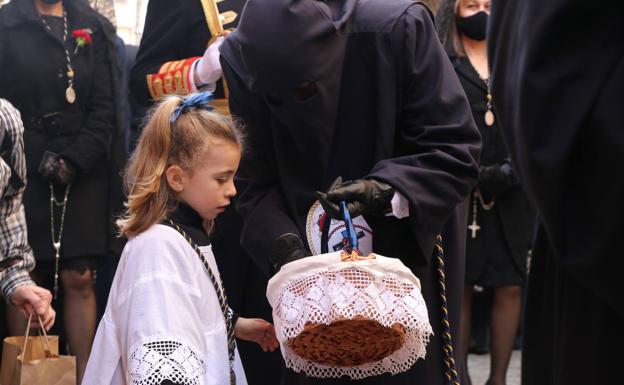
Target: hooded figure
[(360, 89), (558, 86)]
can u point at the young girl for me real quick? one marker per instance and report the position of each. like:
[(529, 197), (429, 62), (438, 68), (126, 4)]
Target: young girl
[(167, 319)]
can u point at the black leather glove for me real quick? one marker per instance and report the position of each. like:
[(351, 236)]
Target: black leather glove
[(368, 197), (56, 169), (496, 179), (285, 249)]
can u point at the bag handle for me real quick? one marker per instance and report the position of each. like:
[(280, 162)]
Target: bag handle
[(47, 347)]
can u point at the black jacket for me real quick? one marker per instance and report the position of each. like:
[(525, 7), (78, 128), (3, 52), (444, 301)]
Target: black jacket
[(511, 206), (33, 78)]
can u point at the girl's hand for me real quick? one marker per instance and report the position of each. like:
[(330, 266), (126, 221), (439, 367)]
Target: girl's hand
[(257, 330)]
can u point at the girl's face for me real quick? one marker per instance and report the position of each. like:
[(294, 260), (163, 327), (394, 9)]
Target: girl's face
[(468, 8), (209, 186)]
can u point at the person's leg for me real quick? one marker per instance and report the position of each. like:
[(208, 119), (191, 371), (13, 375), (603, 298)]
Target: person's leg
[(466, 313), (480, 321), (505, 318), (79, 314)]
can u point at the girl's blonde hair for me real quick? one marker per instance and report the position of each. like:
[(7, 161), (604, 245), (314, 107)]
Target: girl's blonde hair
[(162, 144)]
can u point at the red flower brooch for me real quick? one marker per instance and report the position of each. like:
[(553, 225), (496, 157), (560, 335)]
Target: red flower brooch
[(82, 37)]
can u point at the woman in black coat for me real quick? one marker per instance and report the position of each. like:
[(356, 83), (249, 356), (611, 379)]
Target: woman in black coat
[(500, 220), (63, 90)]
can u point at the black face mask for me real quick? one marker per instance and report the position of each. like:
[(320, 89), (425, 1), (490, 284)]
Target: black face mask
[(50, 2), (474, 26)]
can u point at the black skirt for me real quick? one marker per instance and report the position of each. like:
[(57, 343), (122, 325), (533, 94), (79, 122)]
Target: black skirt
[(489, 259)]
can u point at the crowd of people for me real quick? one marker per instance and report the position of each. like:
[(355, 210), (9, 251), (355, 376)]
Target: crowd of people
[(488, 130)]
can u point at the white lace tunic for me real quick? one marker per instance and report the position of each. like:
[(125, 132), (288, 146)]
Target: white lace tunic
[(162, 320)]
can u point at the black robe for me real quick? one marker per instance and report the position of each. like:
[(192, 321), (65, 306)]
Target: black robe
[(402, 117), (558, 86)]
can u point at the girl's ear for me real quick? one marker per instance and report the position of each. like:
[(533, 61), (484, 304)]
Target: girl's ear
[(175, 178)]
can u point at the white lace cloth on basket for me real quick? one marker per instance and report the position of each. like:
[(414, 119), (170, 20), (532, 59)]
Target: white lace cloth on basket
[(322, 289), (159, 359)]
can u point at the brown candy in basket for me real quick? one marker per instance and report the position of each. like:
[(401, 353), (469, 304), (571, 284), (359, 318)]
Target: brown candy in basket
[(347, 343)]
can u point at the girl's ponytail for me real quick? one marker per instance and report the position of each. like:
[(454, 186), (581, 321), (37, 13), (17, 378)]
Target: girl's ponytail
[(163, 144), (145, 180)]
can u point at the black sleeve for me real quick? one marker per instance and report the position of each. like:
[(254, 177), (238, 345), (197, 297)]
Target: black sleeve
[(235, 317), (437, 136), (174, 30), (260, 201)]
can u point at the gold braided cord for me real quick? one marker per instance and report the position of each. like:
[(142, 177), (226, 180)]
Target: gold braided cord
[(449, 360), (218, 286)]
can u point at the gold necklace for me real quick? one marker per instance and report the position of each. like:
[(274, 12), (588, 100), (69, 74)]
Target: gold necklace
[(70, 93), (489, 114)]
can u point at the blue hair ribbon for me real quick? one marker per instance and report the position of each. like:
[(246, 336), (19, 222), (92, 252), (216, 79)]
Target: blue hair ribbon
[(198, 100)]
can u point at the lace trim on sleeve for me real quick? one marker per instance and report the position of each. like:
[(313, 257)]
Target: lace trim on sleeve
[(156, 360)]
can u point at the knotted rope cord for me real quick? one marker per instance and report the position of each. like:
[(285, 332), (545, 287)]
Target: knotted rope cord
[(218, 286), (451, 371)]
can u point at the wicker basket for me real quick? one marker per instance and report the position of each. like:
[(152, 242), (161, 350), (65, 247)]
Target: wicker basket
[(337, 314)]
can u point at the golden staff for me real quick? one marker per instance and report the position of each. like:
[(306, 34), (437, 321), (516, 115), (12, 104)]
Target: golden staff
[(216, 21)]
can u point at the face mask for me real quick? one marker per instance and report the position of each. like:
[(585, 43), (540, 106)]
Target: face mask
[(474, 26), (50, 2)]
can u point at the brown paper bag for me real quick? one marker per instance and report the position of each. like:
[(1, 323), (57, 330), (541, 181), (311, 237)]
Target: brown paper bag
[(35, 361)]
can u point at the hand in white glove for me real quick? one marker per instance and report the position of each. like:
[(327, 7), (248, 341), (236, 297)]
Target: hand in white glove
[(208, 68)]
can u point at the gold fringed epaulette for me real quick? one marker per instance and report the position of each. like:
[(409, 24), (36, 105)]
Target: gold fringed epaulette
[(172, 78)]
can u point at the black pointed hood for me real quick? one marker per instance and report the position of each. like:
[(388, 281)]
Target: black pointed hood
[(282, 44)]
